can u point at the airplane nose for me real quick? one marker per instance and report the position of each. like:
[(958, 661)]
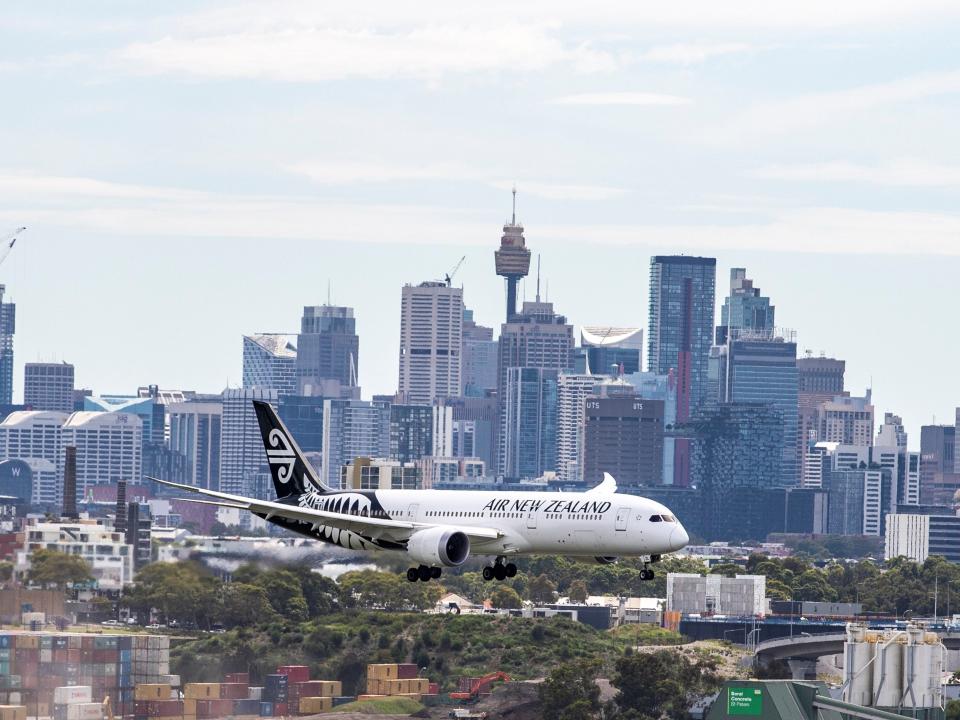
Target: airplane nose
[(678, 538)]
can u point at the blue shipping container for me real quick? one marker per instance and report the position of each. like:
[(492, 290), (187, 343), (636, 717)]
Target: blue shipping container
[(266, 709)]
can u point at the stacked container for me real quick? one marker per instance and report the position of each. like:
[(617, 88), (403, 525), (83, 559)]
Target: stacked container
[(395, 679)]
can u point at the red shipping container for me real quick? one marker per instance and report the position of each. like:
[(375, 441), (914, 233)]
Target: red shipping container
[(234, 691), (311, 688), (166, 708), (295, 673), (279, 709), (237, 678), (406, 671), (141, 708), (73, 656)]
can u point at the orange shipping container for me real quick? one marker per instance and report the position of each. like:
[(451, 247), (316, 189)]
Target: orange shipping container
[(313, 705), (13, 712)]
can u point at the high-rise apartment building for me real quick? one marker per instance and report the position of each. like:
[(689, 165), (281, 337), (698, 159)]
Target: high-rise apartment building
[(270, 362), (479, 358), (48, 386), (475, 428), (195, 433), (529, 423), (352, 429), (411, 432), (36, 437), (328, 352), (8, 316), (937, 447), (535, 338), (242, 456), (431, 340), (573, 389), (846, 420), (764, 370), (109, 447), (623, 435), (612, 350), (819, 380)]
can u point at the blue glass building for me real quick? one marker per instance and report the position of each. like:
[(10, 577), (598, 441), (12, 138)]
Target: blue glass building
[(530, 422)]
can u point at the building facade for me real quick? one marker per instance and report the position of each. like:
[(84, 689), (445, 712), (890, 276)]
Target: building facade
[(106, 552), (624, 437), (529, 423), (739, 596), (48, 386), (36, 438), (8, 317), (328, 352), (612, 350), (573, 389), (479, 358), (937, 447), (242, 455), (431, 340), (270, 362), (109, 448), (352, 429), (846, 420), (744, 308), (303, 416), (195, 433)]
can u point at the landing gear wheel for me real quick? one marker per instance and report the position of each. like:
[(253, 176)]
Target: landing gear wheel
[(499, 572), (646, 574), (425, 573), (435, 573), (413, 574), (511, 570), (487, 573)]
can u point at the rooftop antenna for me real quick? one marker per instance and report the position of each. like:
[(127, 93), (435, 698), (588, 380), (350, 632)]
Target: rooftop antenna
[(513, 218), (538, 277)]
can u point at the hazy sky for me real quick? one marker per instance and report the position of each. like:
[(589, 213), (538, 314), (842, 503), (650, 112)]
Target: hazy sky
[(202, 172)]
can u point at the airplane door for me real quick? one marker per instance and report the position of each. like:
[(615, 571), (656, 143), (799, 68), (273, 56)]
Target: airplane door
[(531, 520), (623, 514), (412, 512)]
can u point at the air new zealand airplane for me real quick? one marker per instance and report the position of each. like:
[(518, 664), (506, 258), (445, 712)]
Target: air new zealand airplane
[(441, 528)]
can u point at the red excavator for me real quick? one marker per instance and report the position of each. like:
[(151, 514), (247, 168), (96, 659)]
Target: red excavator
[(472, 688)]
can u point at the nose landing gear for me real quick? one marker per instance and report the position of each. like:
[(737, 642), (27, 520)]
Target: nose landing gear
[(500, 571), (424, 573)]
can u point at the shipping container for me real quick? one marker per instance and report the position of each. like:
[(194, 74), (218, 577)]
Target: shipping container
[(152, 691), (266, 709), (13, 712), (201, 691), (246, 707), (237, 678), (405, 671), (383, 671), (85, 711), (314, 705), (233, 691), (296, 673), (255, 693), (72, 694)]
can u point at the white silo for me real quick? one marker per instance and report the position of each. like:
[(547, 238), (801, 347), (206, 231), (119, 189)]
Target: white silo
[(858, 670), (888, 671)]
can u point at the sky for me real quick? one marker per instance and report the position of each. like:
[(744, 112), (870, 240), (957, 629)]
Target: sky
[(190, 172)]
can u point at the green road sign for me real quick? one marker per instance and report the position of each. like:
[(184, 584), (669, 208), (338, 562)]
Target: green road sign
[(744, 701)]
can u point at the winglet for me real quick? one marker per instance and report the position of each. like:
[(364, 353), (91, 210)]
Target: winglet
[(607, 485)]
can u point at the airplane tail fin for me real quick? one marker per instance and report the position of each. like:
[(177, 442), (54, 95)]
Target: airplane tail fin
[(292, 474)]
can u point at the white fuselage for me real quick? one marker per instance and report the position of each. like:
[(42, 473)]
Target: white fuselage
[(589, 524)]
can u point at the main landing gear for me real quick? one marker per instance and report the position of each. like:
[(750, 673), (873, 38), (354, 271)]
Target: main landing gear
[(424, 573), (647, 573), (499, 571)]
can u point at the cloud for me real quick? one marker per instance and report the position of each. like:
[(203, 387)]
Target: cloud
[(902, 173), (690, 54), (555, 191), (621, 98)]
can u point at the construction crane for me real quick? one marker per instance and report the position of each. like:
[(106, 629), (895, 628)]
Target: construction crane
[(448, 278), (8, 243)]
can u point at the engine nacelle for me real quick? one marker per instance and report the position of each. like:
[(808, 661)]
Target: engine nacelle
[(598, 560), (439, 546)]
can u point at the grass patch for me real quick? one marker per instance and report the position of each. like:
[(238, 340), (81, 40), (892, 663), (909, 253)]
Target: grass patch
[(382, 706)]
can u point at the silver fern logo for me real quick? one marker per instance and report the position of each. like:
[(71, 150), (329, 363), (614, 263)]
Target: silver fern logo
[(281, 454)]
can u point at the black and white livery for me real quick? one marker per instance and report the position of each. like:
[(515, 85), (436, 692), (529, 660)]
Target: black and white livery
[(442, 528)]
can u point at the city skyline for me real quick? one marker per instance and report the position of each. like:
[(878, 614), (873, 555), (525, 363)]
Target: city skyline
[(182, 189)]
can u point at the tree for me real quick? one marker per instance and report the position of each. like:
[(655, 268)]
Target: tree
[(505, 597), (952, 710), (57, 569), (577, 592), (570, 692), (541, 590), (6, 571), (285, 594), (245, 604), (662, 683), (321, 593), (184, 592)]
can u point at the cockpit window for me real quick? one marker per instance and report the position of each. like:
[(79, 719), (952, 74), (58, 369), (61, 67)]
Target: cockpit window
[(656, 518), (669, 518)]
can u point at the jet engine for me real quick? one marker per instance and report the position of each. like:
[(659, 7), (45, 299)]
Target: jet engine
[(439, 546)]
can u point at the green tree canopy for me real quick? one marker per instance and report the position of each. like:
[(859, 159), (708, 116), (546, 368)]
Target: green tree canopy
[(51, 568), (662, 683), (570, 692), (541, 590), (577, 592), (505, 597)]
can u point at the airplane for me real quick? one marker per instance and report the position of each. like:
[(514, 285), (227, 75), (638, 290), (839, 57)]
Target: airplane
[(441, 528)]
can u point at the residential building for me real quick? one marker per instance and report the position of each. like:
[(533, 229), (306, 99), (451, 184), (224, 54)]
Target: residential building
[(48, 386), (36, 438), (539, 339), (106, 552), (846, 420), (819, 380), (529, 424), (270, 362), (937, 446), (680, 335), (352, 429), (431, 340), (573, 389), (328, 352), (241, 445), (479, 355), (438, 471), (411, 432), (623, 435), (195, 433), (475, 428), (364, 473), (8, 315), (739, 596), (109, 448), (612, 350), (137, 533), (858, 498)]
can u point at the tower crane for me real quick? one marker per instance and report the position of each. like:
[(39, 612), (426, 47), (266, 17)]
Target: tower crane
[(448, 278), (8, 243)]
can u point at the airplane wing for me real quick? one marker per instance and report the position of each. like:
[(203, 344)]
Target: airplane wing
[(354, 523)]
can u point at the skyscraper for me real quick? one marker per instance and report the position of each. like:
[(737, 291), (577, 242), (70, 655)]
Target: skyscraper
[(529, 423), (623, 435), (241, 446), (431, 339), (680, 335), (328, 352), (109, 447), (351, 429), (819, 380), (48, 386), (572, 391), (535, 338), (744, 309), (270, 362), (512, 260), (8, 316), (846, 420), (937, 446), (611, 350), (195, 432), (411, 432), (479, 357)]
